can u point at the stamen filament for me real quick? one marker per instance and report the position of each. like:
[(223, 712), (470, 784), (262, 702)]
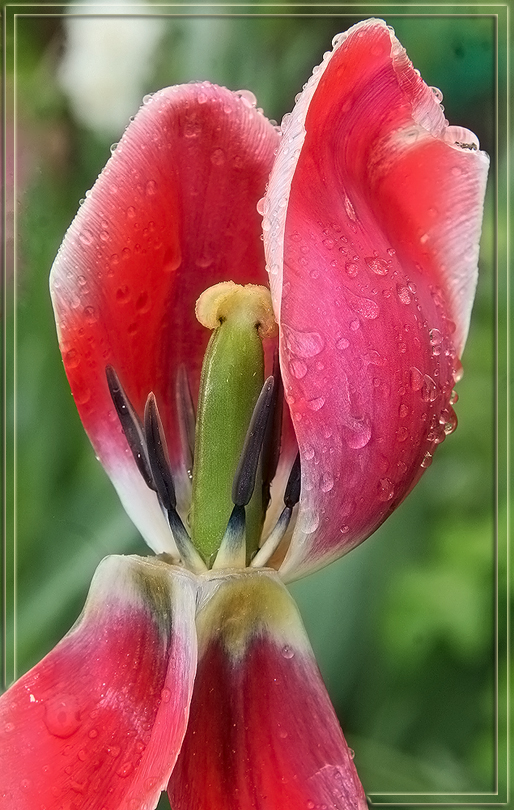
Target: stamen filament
[(244, 479), (232, 551), (131, 425), (186, 419)]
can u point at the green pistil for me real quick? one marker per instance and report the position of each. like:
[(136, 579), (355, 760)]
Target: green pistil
[(231, 380)]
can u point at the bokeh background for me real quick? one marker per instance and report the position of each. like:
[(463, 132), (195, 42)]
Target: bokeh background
[(409, 628)]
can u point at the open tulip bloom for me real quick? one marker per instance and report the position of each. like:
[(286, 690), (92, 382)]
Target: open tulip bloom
[(256, 453)]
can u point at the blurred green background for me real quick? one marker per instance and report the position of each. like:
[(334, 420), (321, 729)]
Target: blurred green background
[(404, 628)]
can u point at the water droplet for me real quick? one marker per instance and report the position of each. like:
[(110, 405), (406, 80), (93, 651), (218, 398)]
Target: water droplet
[(354, 325), (391, 251), (166, 695), (148, 98), (287, 651), (429, 389), (151, 188), (308, 520), (113, 148), (448, 419), (454, 398), (416, 379), (298, 368), (303, 344), (458, 371), (328, 243), (72, 358), (247, 97), (364, 306), (93, 733), (143, 302), (192, 128), (308, 453), (327, 483), (86, 237), (342, 344), (114, 751), (402, 433), (218, 157), (427, 460), (403, 294), (90, 315), (385, 489), (358, 435), (125, 769), (316, 404), (378, 266), (352, 269), (62, 715)]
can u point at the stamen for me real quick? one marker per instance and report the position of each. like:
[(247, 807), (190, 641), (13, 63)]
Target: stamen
[(232, 551), (186, 419), (271, 446), (244, 479), (161, 472), (294, 482), (158, 455), (291, 498), (131, 425)]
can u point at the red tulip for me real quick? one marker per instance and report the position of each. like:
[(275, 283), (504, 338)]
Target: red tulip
[(371, 227)]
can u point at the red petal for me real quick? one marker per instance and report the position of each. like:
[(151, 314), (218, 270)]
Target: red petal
[(173, 212), (373, 268), (262, 733), (99, 722)]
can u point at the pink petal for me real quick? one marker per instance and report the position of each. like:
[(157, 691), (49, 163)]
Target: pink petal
[(99, 722), (262, 733), (173, 212), (372, 223)]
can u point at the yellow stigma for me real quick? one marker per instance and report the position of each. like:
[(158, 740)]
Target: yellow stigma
[(251, 303)]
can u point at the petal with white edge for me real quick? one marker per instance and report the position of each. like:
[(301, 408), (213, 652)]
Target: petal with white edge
[(99, 722), (373, 212), (172, 213)]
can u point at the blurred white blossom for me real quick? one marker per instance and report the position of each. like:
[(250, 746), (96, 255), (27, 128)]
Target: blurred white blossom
[(107, 63)]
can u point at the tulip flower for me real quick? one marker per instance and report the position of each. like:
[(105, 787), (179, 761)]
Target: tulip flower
[(190, 670)]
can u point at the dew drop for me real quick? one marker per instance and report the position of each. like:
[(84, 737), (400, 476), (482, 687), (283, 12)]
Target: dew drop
[(316, 404), (427, 460), (454, 398), (143, 302), (385, 489), (308, 453), (303, 344), (90, 315), (308, 520), (402, 433), (351, 269), (327, 483), (61, 716), (403, 294), (288, 651), (416, 379), (342, 344), (298, 368), (428, 389), (218, 157), (166, 695), (359, 436), (86, 237), (151, 188), (378, 266), (403, 410), (125, 769), (72, 358)]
